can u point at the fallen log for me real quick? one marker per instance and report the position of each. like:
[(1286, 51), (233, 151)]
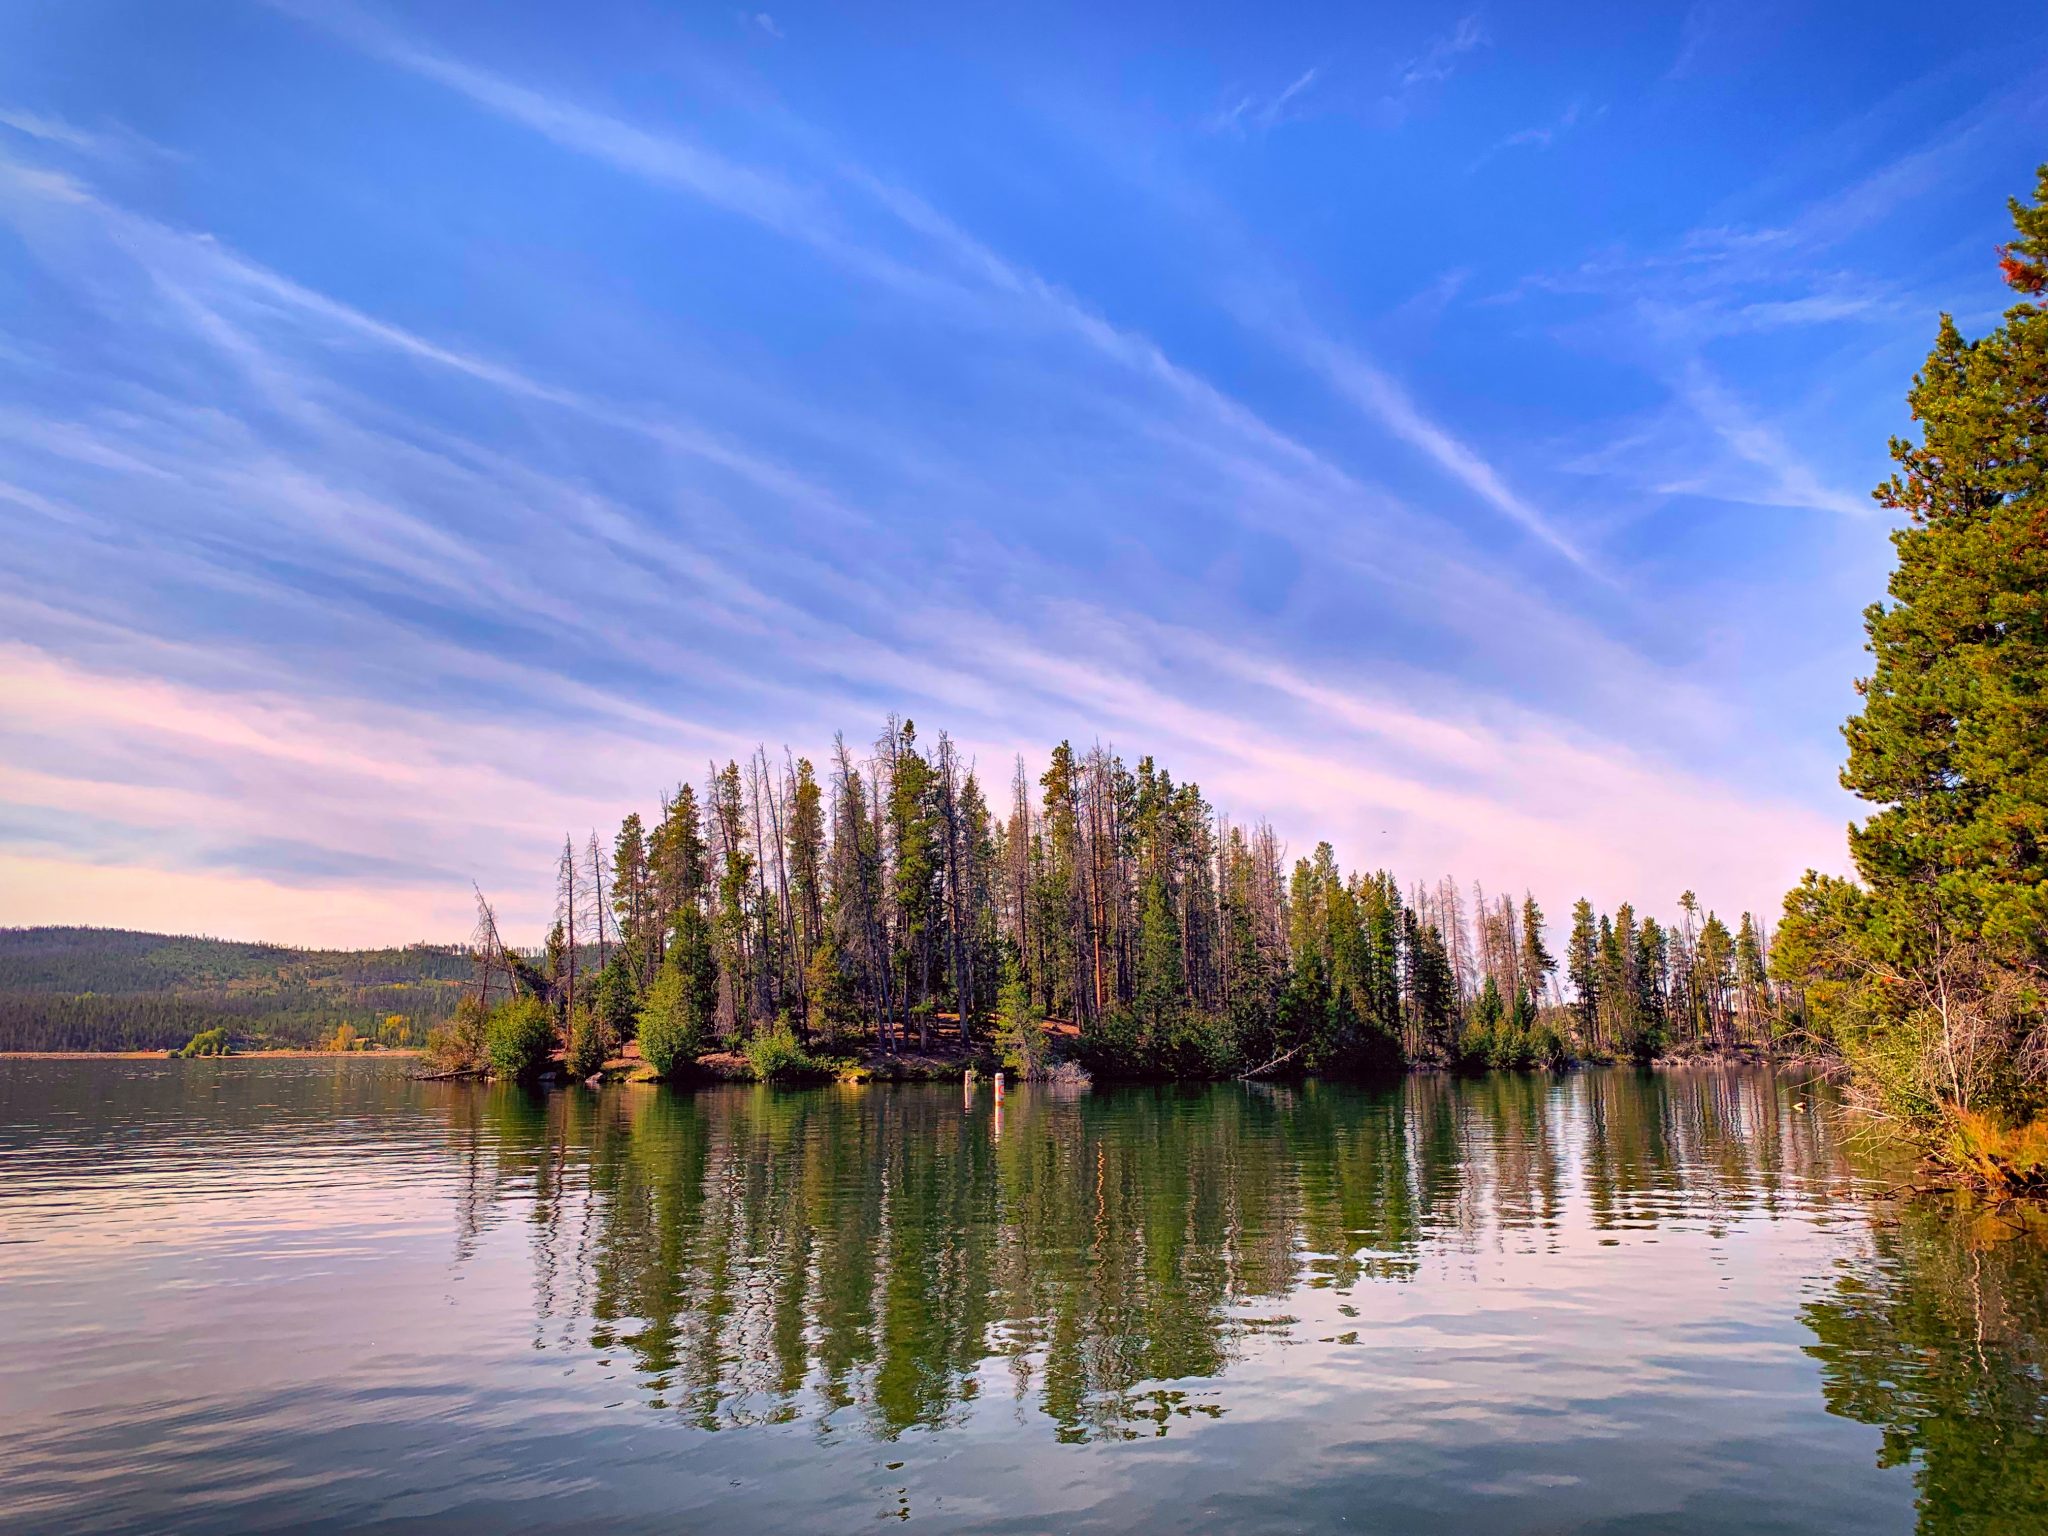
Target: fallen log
[(1278, 1061)]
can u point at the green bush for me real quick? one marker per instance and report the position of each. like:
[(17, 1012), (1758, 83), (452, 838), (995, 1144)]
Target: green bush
[(615, 999), (1169, 1040), (674, 1020), (461, 1044), (589, 1043), (520, 1038), (208, 1042), (775, 1056), (1019, 1035)]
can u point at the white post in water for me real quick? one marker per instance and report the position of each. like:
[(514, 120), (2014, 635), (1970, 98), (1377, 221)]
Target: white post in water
[(999, 1087), (967, 1087)]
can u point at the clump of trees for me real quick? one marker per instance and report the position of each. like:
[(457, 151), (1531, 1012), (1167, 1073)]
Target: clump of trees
[(780, 912), (1931, 970), (208, 1042)]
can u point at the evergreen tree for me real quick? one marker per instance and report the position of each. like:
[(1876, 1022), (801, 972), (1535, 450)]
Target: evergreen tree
[(1538, 965), (1582, 968), (1949, 741)]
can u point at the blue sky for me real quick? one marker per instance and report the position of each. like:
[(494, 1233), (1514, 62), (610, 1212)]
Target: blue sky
[(1446, 430)]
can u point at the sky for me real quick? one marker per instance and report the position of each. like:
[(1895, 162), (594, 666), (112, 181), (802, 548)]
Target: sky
[(426, 431)]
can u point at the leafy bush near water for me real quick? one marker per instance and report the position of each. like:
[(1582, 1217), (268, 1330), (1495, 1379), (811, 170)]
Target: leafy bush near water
[(520, 1038), (589, 1043), (777, 1056)]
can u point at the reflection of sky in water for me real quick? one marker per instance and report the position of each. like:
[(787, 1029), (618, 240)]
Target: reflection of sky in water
[(248, 1295)]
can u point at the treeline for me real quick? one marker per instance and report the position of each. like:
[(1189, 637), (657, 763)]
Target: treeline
[(892, 896), (99, 989), (77, 960)]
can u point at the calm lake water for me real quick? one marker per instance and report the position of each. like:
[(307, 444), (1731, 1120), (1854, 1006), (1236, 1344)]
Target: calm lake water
[(313, 1295)]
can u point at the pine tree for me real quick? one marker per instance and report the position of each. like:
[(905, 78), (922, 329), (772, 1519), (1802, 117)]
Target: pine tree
[(1582, 968), (1538, 964), (1949, 741)]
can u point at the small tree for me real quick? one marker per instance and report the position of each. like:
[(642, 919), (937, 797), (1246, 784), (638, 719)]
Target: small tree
[(461, 1044), (589, 1042), (1018, 1034), (832, 999), (520, 1038), (676, 1020)]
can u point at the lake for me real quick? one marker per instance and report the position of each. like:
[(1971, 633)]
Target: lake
[(314, 1295)]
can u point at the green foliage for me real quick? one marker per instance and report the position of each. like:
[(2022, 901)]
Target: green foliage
[(208, 1042), (615, 997), (1502, 1038), (462, 1043), (1175, 1042), (520, 1038), (777, 1056), (675, 1022), (590, 1043), (1019, 1036), (1930, 976), (1955, 713), (830, 994)]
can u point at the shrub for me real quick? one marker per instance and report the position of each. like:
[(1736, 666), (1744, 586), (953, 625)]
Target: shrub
[(2007, 1160), (775, 1056), (834, 1003), (343, 1038), (208, 1042), (589, 1043), (461, 1044), (1112, 1045), (1019, 1036), (615, 1000), (674, 1021), (1167, 1040), (520, 1038)]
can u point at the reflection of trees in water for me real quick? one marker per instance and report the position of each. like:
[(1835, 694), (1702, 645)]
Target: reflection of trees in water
[(1939, 1338), (876, 1258), (1711, 1144)]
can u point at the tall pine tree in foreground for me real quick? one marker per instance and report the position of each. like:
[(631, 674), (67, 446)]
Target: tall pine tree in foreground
[(1932, 974)]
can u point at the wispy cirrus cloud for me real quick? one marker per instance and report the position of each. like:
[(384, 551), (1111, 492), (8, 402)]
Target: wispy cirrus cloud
[(1249, 112), (385, 583), (113, 142), (1439, 60), (1377, 394), (1539, 137)]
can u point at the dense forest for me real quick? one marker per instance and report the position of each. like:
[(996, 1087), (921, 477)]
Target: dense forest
[(887, 898), (109, 989)]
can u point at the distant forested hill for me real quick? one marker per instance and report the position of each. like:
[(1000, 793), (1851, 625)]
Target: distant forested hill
[(109, 989)]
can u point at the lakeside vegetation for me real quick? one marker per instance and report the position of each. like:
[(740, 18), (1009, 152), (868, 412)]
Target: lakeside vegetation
[(790, 917)]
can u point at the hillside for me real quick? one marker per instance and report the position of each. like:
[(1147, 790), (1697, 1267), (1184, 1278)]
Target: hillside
[(111, 989)]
